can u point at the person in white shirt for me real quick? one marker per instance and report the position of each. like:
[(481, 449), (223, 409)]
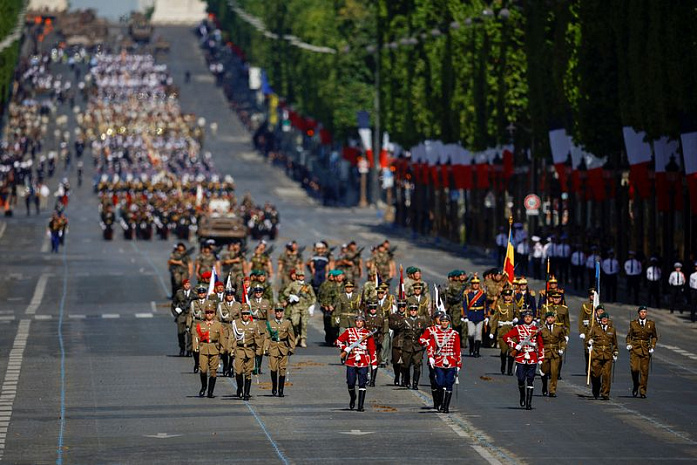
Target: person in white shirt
[(578, 264), (633, 271), (653, 277), (610, 268), (537, 253), (676, 283), (693, 295)]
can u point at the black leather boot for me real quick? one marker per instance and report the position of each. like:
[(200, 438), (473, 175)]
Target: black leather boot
[(352, 397), (405, 377), (397, 371), (361, 399), (503, 363), (521, 389), (274, 383), (415, 379), (257, 364), (509, 370), (204, 383), (373, 377), (436, 394), (182, 344), (281, 385), (196, 354), (561, 364), (528, 397), (544, 385), (635, 383), (247, 387), (239, 379), (447, 395), (470, 345), (477, 345), (211, 387), (226, 364), (595, 386)]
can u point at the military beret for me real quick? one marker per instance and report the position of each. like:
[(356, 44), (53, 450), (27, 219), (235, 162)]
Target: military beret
[(206, 275), (411, 269), (462, 273), (454, 274), (339, 272), (219, 283), (332, 272), (643, 307), (186, 281), (605, 315), (256, 273), (416, 268), (600, 307), (548, 314)]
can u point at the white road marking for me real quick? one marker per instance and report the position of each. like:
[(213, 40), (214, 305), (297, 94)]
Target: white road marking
[(3, 226), (38, 294), (111, 315), (678, 350), (153, 306), (144, 315), (77, 316), (43, 317), (9, 387), (7, 318)]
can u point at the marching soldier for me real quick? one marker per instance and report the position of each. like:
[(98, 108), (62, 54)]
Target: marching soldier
[(418, 298), (453, 300), (370, 288), (233, 264), (424, 340), (196, 315), (326, 296), (358, 348), (209, 337), (229, 310), (554, 342), (261, 312), (585, 318), (260, 260), (561, 313), (397, 326), (320, 263), (412, 350), (181, 306), (525, 298), (218, 294), (288, 260), (409, 287), (503, 319), (180, 267), (299, 296), (246, 342), (475, 311), (386, 306), (641, 342), (602, 344), (445, 358), (346, 307), (375, 323), (526, 340), (206, 262), (279, 346), (258, 278)]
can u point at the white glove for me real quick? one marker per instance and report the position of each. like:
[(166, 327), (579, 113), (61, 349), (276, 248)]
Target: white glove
[(561, 352), (466, 320), (629, 347), (518, 347), (491, 336), (178, 310), (432, 361), (293, 298), (311, 310), (567, 338), (486, 321), (347, 349), (614, 358), (650, 351), (541, 373), (539, 362), (515, 320), (582, 336)]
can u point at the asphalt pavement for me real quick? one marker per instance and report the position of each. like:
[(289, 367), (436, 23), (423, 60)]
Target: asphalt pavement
[(90, 374)]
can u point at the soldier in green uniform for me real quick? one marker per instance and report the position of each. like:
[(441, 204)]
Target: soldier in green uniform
[(386, 306), (206, 263), (279, 346), (228, 311), (258, 278), (180, 267), (554, 344), (181, 306), (218, 294), (412, 350), (502, 321), (384, 264), (585, 318), (289, 259), (197, 314), (209, 338), (453, 300), (326, 296), (422, 302), (260, 260), (298, 297), (369, 290), (602, 343), (397, 325), (346, 307), (233, 264), (641, 342), (416, 278), (375, 323), (246, 342)]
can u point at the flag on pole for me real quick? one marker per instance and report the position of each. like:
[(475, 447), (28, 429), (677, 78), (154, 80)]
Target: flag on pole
[(508, 263), (228, 284), (211, 283), (596, 294), (400, 291)]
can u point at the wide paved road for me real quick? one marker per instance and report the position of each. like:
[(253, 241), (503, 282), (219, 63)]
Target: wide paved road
[(89, 372)]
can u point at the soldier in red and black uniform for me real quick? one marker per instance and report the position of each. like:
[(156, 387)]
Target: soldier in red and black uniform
[(444, 356), (526, 341), (424, 340), (358, 348)]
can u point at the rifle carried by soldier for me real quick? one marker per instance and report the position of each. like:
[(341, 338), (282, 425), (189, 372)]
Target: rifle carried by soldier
[(345, 352)]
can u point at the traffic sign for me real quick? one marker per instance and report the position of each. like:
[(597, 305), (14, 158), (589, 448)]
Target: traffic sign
[(532, 202)]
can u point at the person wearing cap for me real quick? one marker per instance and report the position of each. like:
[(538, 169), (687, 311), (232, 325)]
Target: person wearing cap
[(261, 310), (578, 265), (610, 268), (504, 317), (279, 346), (552, 286), (369, 291), (233, 264), (475, 310), (386, 305), (346, 307), (417, 297), (416, 278), (208, 341), (180, 267), (585, 318), (526, 342), (228, 311), (693, 294), (384, 263), (260, 260), (258, 278), (633, 271), (196, 315), (525, 297), (246, 342), (676, 283), (218, 294), (602, 345), (444, 357), (350, 262), (327, 293), (320, 263), (554, 339), (653, 278), (358, 352), (181, 306), (397, 326), (436, 391), (206, 262), (297, 298), (412, 350), (290, 258), (641, 343), (453, 300), (375, 323)]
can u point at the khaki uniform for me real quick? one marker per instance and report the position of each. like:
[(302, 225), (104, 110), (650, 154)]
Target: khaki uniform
[(279, 344), (453, 303), (261, 310), (179, 273), (412, 350), (641, 338), (424, 304), (210, 337), (326, 295), (502, 322), (369, 291), (345, 310), (376, 323), (288, 261), (585, 316), (552, 341), (299, 311), (234, 267), (562, 316), (604, 348), (397, 326), (260, 262), (245, 342)]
